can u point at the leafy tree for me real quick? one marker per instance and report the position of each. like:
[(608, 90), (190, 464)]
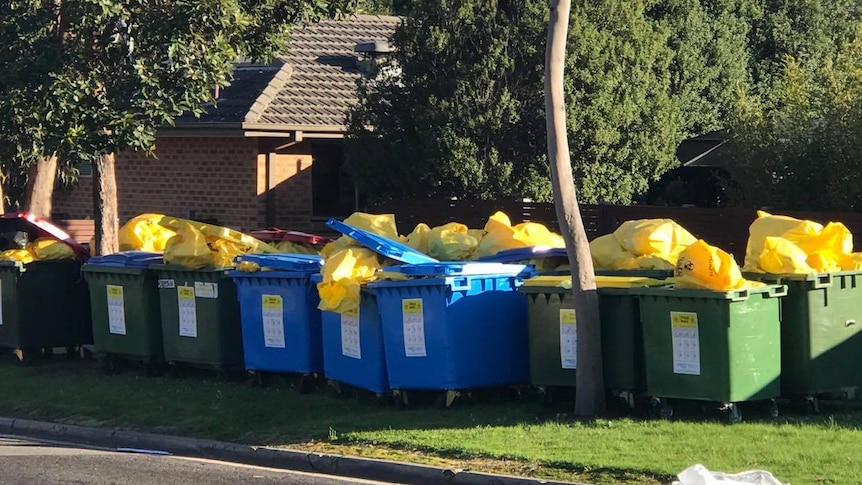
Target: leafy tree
[(801, 147), (87, 78)]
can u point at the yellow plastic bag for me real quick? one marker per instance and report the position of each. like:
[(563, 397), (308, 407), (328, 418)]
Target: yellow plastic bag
[(46, 249), (706, 267), (218, 232), (418, 239), (608, 253), (188, 248), (294, 247), (662, 237), (499, 235), (535, 234), (343, 275), (824, 247), (144, 233), (451, 242), (224, 251), (21, 255)]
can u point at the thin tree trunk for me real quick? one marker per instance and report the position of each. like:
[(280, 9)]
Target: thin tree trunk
[(40, 187), (105, 205), (590, 395), (2, 194)]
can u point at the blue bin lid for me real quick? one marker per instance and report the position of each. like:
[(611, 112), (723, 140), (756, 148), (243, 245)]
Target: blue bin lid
[(381, 245), (525, 253), (126, 259), (458, 268), (305, 263)]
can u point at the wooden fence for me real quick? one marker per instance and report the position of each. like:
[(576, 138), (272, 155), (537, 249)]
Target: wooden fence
[(726, 228)]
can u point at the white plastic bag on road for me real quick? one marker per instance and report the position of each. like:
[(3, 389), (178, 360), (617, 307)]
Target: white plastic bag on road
[(699, 475)]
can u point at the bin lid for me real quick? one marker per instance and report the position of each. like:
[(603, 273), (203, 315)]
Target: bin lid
[(381, 245), (770, 291), (525, 253), (126, 259), (305, 263), (565, 282), (658, 274), (274, 234), (26, 222), (458, 268)]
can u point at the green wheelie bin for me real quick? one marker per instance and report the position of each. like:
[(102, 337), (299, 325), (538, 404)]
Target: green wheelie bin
[(200, 318), (124, 299), (718, 346), (553, 339), (821, 334)]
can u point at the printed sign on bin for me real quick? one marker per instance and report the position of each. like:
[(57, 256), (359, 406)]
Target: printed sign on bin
[(568, 338), (414, 327), (188, 312), (686, 343), (116, 310), (273, 321), (350, 342)]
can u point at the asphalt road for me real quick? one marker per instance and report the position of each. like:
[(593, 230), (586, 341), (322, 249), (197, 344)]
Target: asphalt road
[(24, 461)]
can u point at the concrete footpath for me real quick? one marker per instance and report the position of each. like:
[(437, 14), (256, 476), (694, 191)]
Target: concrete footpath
[(345, 466)]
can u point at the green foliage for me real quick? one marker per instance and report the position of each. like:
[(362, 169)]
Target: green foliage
[(466, 117), (800, 147), (88, 77)]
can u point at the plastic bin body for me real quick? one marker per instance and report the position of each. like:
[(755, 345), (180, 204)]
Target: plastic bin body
[(353, 351), (821, 338), (454, 332), (713, 346), (206, 330), (127, 319), (44, 304), (553, 359), (280, 321)]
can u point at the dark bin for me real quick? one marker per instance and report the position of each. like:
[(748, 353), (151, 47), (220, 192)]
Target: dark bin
[(553, 352), (124, 298), (821, 333), (712, 345), (200, 317)]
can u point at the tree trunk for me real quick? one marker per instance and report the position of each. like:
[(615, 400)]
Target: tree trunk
[(40, 187), (105, 205), (590, 395), (2, 194)]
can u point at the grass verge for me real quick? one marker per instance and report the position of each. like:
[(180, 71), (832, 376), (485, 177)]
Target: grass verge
[(500, 433)]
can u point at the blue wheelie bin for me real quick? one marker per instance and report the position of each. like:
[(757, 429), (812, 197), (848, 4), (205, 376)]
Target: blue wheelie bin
[(450, 326), (280, 320)]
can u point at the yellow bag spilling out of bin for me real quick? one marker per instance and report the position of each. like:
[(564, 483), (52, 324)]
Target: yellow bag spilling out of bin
[(343, 274), (418, 239), (704, 267), (451, 242), (22, 255), (501, 235), (249, 243), (188, 248), (295, 247), (144, 233), (785, 245), (47, 249), (641, 244)]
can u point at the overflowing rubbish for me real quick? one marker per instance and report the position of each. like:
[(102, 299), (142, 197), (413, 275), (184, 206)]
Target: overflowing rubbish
[(647, 244)]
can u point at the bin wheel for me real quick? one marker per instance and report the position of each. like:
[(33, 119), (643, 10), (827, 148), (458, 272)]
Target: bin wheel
[(154, 369), (812, 405), (732, 413), (174, 371), (23, 356), (662, 407), (399, 399), (446, 399), (72, 353), (109, 364), (85, 353), (306, 384), (772, 409), (48, 352), (547, 396), (336, 386)]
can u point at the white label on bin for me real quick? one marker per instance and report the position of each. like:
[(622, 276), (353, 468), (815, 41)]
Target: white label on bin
[(568, 339), (273, 321), (206, 290), (188, 314), (350, 346), (167, 284), (414, 327), (116, 310), (686, 343)]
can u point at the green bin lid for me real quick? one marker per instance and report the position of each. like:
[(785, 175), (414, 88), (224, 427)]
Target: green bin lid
[(556, 284), (733, 295)]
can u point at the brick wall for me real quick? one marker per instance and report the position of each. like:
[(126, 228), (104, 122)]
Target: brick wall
[(203, 178), (291, 187)]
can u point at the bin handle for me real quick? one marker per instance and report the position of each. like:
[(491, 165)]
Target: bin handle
[(823, 281), (739, 295), (459, 284), (777, 291), (849, 323)]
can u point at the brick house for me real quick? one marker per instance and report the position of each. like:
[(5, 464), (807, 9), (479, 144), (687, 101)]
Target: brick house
[(269, 153)]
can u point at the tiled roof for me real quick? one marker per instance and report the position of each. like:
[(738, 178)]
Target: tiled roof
[(322, 82), (235, 101)]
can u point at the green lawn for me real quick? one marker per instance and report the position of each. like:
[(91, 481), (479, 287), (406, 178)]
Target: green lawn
[(500, 432)]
